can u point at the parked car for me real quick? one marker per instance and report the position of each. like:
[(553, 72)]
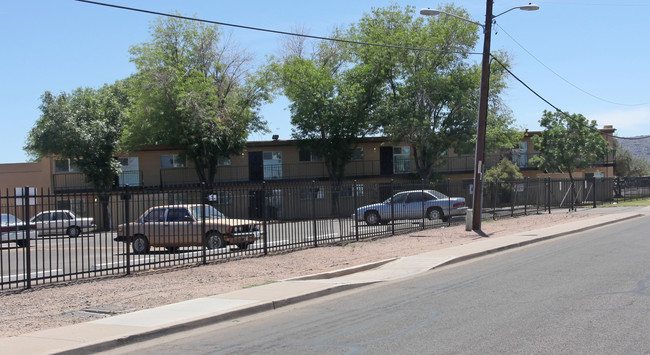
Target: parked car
[(15, 230), (410, 205), (177, 226), (62, 222)]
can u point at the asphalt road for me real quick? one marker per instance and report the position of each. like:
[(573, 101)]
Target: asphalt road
[(587, 293)]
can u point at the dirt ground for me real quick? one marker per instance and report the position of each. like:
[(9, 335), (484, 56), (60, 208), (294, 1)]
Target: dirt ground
[(50, 306)]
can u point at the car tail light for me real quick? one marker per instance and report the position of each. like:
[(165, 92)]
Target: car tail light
[(458, 204)]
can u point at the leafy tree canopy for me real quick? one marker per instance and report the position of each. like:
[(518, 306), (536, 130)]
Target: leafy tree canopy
[(332, 101), (628, 165), (430, 97), (504, 171), (84, 126), (568, 142), (193, 89)]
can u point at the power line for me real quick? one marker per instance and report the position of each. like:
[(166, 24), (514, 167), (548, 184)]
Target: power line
[(331, 39), (555, 107), (564, 79), (594, 4), (335, 40)]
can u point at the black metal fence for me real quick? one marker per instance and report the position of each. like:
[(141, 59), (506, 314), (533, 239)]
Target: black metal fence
[(72, 236)]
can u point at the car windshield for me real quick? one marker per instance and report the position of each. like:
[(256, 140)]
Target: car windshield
[(9, 218), (210, 212)]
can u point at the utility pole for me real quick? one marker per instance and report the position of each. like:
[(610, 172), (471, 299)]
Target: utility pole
[(479, 160)]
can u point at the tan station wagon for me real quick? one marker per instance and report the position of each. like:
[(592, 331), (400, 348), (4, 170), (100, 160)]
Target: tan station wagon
[(177, 226)]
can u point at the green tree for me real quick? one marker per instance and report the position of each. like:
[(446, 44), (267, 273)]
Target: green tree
[(568, 142), (628, 165), (193, 89), (84, 126), (331, 102), (430, 96), (504, 171)]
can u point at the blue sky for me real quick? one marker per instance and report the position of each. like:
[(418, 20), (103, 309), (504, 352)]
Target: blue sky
[(584, 56)]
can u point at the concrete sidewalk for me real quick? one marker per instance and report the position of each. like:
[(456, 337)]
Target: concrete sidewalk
[(112, 332)]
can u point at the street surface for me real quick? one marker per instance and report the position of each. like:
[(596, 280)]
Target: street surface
[(587, 293)]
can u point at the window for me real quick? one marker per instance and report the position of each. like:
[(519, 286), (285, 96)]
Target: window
[(348, 190), (172, 161), (221, 198), (130, 171), (42, 217), (307, 155), (357, 154), (178, 214), (155, 215), (312, 193), (401, 159), (223, 161), (414, 197), (64, 166), (60, 216), (272, 165)]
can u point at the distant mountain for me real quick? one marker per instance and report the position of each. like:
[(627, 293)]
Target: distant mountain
[(639, 148)]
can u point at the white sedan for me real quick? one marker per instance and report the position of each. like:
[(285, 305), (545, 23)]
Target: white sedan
[(62, 222)]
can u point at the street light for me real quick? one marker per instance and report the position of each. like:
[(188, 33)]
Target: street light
[(483, 101)]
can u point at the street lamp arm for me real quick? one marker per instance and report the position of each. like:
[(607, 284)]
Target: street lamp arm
[(529, 7), (434, 12)]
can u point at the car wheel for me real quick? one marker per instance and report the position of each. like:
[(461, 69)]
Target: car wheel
[(73, 231), (21, 243), (214, 240), (435, 213), (172, 249), (372, 218), (140, 245)]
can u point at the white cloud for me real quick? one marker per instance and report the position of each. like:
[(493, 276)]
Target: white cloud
[(628, 123)]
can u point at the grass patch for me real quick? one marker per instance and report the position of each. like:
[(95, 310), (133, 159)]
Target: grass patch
[(628, 203)]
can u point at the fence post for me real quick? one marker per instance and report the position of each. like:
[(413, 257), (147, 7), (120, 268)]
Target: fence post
[(548, 195), (265, 238), (28, 245), (593, 188), (539, 186), (449, 200), (356, 204), (204, 201), (513, 197), (526, 197), (495, 191), (126, 196), (422, 202), (314, 193), (392, 208)]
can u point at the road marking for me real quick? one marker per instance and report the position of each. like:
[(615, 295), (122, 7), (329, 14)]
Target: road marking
[(34, 275), (328, 236)]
